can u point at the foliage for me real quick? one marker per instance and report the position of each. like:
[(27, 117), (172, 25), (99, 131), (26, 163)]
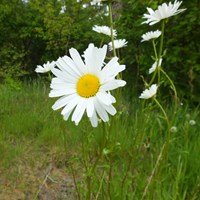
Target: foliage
[(36, 31)]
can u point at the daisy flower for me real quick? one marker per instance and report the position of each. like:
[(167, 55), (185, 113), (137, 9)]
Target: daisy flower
[(104, 29), (118, 44), (150, 35), (148, 93), (164, 11), (153, 68), (84, 86), (45, 68)]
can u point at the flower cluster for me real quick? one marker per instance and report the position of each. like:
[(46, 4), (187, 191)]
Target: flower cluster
[(164, 11)]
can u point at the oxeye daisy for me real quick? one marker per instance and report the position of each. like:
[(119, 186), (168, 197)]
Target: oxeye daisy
[(153, 68), (151, 35), (164, 11), (85, 86), (118, 44), (45, 68), (148, 93), (104, 30)]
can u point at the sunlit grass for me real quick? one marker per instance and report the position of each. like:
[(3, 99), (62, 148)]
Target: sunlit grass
[(33, 136)]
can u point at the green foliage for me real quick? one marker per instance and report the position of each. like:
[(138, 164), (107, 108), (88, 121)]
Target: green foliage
[(35, 32), (181, 42)]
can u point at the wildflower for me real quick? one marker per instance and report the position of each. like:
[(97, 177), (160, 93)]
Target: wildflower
[(153, 68), (192, 122), (148, 93), (84, 86), (164, 11), (63, 9), (150, 35), (173, 129), (94, 2), (105, 30), (118, 44), (45, 68)]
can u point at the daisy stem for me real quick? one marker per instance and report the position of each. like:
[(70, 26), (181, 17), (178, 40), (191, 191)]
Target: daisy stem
[(101, 44), (163, 111), (173, 86), (161, 48), (111, 27), (154, 48), (156, 56)]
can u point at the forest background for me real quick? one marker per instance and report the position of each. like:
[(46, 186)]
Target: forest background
[(36, 31)]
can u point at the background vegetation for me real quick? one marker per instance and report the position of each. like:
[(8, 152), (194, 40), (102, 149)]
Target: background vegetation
[(36, 31)]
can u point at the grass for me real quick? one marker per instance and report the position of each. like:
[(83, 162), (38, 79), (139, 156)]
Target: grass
[(41, 153)]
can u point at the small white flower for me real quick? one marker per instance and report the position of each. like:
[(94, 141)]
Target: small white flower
[(164, 11), (94, 2), (104, 29), (153, 68), (148, 93), (63, 9), (83, 86), (45, 68), (150, 35), (118, 44), (192, 122), (173, 129)]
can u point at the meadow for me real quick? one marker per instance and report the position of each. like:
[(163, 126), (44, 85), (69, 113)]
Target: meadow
[(45, 157)]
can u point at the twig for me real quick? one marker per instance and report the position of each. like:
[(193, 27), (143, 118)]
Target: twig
[(44, 181), (153, 172)]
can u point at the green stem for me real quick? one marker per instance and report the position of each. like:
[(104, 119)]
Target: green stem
[(154, 48), (161, 48), (156, 57), (111, 28), (173, 87), (163, 111)]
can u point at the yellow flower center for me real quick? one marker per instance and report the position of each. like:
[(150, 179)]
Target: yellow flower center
[(88, 85)]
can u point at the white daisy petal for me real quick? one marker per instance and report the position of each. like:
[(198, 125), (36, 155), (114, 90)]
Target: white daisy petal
[(151, 35), (94, 58), (63, 101), (104, 30), (79, 110), (45, 68), (164, 11), (148, 93), (101, 111), (70, 106), (104, 98), (61, 92), (90, 107), (77, 59), (111, 85), (118, 44), (86, 87), (94, 119)]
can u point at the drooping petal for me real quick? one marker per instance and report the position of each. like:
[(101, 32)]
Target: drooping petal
[(79, 110), (104, 98), (63, 101), (94, 119), (70, 106), (100, 110), (90, 107)]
